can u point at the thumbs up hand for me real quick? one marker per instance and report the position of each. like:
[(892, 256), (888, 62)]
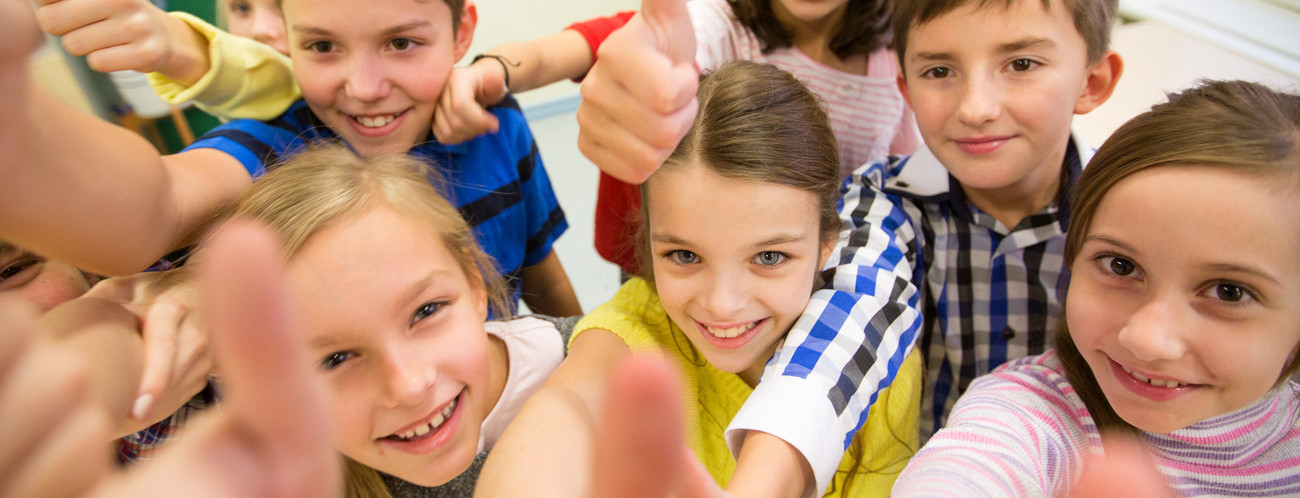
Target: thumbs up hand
[(638, 101)]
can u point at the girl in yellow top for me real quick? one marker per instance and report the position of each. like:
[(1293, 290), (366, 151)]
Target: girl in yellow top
[(740, 219)]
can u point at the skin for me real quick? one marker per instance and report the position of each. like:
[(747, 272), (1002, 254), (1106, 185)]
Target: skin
[(260, 20), (749, 265), (398, 347), (359, 60), (43, 282), (1159, 297), (994, 92)]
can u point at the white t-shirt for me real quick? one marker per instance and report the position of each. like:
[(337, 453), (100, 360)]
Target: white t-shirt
[(534, 348)]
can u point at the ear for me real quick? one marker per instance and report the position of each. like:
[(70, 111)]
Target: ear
[(1101, 82), (902, 88), (465, 31), (827, 248)]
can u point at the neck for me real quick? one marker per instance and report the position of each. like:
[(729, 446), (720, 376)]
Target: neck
[(813, 38), (1013, 203)]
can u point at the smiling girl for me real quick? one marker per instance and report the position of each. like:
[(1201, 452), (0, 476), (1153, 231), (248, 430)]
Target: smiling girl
[(1182, 320), (394, 292), (740, 219)]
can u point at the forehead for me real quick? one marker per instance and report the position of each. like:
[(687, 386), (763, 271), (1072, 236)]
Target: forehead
[(1209, 213), (365, 15), (997, 19), (702, 206)]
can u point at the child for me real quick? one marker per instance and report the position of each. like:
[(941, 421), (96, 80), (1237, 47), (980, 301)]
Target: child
[(1182, 322), (722, 292), (260, 20), (420, 389), (371, 82), (40, 281)]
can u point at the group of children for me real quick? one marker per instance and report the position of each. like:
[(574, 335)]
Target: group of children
[(849, 311)]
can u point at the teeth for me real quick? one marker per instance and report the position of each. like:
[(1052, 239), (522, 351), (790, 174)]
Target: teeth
[(375, 122), (431, 426), (730, 332), (1154, 382)]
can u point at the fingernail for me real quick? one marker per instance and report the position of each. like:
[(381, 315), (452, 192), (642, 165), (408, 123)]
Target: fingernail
[(141, 406)]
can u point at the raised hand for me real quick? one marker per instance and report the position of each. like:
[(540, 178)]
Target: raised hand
[(116, 35), (638, 101), (1125, 470), (461, 113), (271, 435)]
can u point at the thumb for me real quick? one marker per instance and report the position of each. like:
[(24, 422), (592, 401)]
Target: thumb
[(670, 21), (490, 91), (638, 450)]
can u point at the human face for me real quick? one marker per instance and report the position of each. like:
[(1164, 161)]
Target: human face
[(994, 91), (372, 70), (260, 20), (1172, 287), (43, 282), (398, 329), (735, 280)]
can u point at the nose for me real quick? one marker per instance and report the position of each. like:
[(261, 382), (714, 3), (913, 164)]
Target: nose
[(1154, 331), (981, 101), (366, 82), (725, 295), (407, 380), (268, 28)]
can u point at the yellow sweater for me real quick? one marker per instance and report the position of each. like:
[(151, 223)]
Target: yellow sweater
[(245, 78), (712, 397)]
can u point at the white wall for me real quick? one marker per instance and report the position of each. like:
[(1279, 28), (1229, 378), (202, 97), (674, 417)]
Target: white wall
[(516, 20)]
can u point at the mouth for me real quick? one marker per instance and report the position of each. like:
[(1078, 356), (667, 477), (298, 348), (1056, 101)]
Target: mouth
[(374, 125), (730, 332), (730, 336), (426, 428), (981, 145), (1165, 383)]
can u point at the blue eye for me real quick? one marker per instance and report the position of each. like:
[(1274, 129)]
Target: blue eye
[(682, 257), (770, 258), (333, 360), (426, 310)]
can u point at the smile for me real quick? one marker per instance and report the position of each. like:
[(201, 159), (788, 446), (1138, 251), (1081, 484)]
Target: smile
[(375, 121), (429, 426), (729, 332), (1154, 382)]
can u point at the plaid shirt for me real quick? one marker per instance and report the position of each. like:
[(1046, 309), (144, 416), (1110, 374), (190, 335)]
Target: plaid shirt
[(141, 445), (991, 294)]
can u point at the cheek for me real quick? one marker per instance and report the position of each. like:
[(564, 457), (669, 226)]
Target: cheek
[(1090, 317), (52, 288)]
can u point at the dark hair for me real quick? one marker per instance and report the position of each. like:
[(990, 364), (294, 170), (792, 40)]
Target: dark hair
[(1234, 125), (758, 123), (1092, 18), (863, 29), (457, 8)]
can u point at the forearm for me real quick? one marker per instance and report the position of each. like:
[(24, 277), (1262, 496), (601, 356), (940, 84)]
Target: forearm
[(770, 467), (187, 58), (540, 62), (81, 190), (547, 290), (545, 451)]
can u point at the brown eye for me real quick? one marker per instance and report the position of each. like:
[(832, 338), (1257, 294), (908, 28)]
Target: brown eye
[(1121, 266)]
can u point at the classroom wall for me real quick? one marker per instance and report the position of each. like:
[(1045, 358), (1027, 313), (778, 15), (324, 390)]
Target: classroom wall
[(508, 20)]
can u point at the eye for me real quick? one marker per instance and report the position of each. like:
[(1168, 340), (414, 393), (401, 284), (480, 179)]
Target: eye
[(682, 257), (770, 258), (936, 72), (1231, 292), (333, 360), (320, 47), (402, 44), (1022, 65), (19, 272), (426, 310), (241, 8), (1117, 265)]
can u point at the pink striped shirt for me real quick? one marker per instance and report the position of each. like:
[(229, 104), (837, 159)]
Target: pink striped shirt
[(1022, 431), (868, 115)]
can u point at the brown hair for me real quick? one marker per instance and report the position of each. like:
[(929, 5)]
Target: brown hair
[(1092, 19), (758, 123), (457, 8), (863, 29), (1236, 125)]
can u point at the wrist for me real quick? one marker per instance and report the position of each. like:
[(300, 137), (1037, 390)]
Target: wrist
[(187, 59), (500, 61)]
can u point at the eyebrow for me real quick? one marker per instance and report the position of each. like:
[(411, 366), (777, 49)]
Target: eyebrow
[(1014, 46), (412, 293), (1214, 267), (776, 240), (401, 28)]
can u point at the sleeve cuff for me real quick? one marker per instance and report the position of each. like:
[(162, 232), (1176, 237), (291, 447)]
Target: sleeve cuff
[(175, 93), (786, 408)]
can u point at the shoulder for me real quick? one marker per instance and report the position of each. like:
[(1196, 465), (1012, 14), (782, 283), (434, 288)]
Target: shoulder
[(634, 314), (1035, 386)]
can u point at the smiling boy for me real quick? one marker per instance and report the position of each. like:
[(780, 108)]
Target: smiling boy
[(370, 74), (994, 85)]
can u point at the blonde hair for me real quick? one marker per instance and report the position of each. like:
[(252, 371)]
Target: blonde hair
[(329, 184), (1234, 125)]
